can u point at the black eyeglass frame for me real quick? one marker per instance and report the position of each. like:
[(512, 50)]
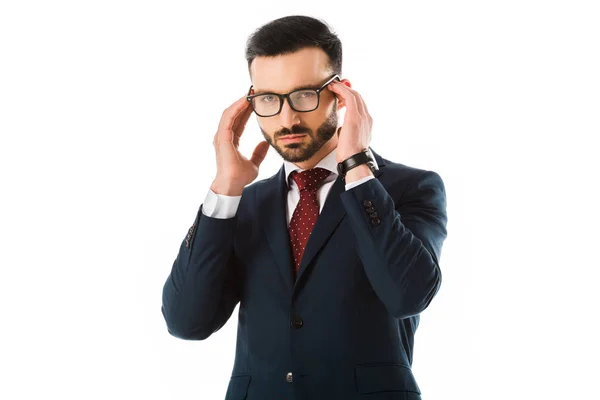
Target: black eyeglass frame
[(284, 96)]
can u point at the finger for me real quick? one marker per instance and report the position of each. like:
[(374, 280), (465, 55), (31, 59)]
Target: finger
[(241, 121), (363, 105), (360, 104), (347, 96), (231, 113), (366, 113), (260, 152), (239, 126)]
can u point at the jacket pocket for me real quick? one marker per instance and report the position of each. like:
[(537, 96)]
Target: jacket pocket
[(373, 378), (238, 387)]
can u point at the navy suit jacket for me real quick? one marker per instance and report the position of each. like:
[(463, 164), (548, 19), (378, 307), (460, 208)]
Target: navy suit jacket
[(344, 328)]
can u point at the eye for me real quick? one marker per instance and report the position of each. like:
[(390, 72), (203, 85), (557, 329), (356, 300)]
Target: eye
[(268, 98), (307, 94)]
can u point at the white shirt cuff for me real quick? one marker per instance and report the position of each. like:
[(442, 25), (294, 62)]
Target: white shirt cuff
[(358, 182), (220, 206)]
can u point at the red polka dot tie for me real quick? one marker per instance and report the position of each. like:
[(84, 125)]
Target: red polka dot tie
[(306, 212)]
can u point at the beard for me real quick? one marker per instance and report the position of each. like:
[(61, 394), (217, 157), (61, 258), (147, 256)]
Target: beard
[(302, 151)]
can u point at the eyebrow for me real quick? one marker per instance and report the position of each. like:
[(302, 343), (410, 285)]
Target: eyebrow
[(315, 86)]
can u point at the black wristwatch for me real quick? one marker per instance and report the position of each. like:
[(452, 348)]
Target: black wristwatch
[(364, 157)]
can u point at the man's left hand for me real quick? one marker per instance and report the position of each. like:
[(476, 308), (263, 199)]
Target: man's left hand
[(355, 134)]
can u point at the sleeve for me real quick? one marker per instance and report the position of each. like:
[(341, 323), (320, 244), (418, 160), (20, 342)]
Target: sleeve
[(206, 280), (400, 244), (220, 206)]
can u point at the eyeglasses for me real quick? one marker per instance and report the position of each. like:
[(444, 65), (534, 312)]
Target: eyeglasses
[(300, 100)]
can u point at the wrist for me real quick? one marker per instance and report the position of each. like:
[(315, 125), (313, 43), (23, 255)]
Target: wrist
[(357, 173), (341, 156), (226, 188), (359, 163)]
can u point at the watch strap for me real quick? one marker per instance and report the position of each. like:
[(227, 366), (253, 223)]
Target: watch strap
[(364, 157)]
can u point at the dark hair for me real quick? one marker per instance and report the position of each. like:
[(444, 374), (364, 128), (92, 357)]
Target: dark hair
[(292, 33)]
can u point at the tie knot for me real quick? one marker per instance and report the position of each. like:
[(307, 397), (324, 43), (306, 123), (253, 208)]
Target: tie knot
[(310, 179)]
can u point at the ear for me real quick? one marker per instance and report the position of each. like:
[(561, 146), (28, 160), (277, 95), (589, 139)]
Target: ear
[(346, 82)]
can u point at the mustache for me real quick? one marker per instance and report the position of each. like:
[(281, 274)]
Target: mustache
[(296, 130)]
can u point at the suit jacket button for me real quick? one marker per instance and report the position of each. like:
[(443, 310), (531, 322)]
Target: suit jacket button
[(373, 215), (375, 221), (288, 377), (367, 203), (297, 322), (370, 209)]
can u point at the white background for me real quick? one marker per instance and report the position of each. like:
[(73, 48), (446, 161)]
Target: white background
[(107, 115)]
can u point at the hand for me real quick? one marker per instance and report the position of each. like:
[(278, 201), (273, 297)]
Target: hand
[(355, 134), (234, 171)]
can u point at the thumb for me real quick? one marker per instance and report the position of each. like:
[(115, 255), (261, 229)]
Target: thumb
[(260, 152)]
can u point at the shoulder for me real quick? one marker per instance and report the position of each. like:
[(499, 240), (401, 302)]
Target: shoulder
[(399, 174)]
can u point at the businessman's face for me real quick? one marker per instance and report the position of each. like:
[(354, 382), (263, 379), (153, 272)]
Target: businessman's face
[(282, 74)]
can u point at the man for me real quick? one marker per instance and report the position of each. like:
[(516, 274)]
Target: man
[(331, 267)]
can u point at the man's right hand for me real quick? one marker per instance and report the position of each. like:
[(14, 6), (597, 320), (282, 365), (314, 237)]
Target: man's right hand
[(234, 171)]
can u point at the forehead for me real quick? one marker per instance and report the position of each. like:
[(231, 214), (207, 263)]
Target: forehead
[(283, 73)]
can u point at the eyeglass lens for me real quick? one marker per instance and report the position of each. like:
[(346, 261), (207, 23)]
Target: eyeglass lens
[(302, 100)]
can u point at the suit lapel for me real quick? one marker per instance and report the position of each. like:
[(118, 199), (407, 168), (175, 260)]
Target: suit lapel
[(332, 213), (272, 205)]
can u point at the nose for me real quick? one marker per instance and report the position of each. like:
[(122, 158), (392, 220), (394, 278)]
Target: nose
[(288, 117)]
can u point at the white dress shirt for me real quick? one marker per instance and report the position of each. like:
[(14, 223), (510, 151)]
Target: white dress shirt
[(221, 206)]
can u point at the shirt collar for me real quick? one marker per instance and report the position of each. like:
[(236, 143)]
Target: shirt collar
[(328, 162)]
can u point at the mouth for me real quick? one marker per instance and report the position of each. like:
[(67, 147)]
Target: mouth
[(291, 138)]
